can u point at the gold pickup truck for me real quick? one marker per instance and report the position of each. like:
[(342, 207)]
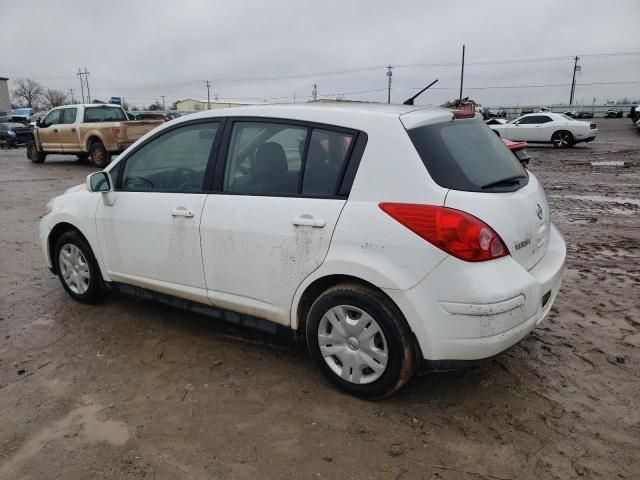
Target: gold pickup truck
[(94, 131)]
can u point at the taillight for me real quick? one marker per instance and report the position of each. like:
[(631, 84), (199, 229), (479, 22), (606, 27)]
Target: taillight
[(457, 233)]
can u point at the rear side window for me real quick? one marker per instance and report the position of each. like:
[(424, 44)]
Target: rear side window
[(104, 114), (467, 155), (325, 160)]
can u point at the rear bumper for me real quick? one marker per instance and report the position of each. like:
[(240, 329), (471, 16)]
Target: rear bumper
[(465, 312)]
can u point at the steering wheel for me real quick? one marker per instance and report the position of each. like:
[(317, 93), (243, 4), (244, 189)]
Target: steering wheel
[(186, 178)]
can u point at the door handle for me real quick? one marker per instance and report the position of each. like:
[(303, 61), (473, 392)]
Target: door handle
[(308, 221), (55, 130), (73, 130), (182, 212)]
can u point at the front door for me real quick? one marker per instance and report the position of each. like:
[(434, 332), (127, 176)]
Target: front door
[(150, 236), (271, 224), (68, 131), (48, 131)]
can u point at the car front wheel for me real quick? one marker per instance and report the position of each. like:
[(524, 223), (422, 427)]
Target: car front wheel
[(77, 269), (562, 139), (360, 341)]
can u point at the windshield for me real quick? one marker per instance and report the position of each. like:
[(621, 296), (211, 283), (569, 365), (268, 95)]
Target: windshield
[(104, 114), (466, 155)]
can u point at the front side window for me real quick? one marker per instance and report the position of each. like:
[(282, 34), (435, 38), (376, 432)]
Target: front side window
[(52, 118), (264, 158), (529, 120), (172, 162), (69, 115), (104, 114)]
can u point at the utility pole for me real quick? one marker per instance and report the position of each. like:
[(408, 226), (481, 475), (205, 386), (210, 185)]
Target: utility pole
[(573, 82), (389, 75), (314, 94), (462, 72), (162, 96), (208, 97), (71, 95), (294, 97)]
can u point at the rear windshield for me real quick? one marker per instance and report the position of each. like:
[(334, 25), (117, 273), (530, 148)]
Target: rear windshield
[(104, 114), (467, 155)]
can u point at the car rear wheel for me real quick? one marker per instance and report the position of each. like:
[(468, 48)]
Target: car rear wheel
[(562, 139), (34, 154), (99, 155), (82, 156), (77, 269), (360, 341)]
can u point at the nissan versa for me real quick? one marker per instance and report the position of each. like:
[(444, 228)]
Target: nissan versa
[(394, 239)]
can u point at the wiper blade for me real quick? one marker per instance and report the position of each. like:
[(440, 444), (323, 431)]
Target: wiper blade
[(504, 182)]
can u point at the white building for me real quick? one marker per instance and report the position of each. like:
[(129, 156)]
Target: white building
[(5, 103)]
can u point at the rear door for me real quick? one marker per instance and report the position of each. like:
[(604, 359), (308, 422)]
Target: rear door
[(276, 203), (486, 180), (68, 131)]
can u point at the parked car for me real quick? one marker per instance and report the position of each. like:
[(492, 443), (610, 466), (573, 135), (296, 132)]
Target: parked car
[(571, 114), (611, 113), (584, 115), (497, 113), (94, 131), (560, 130), (391, 238), (14, 134), (496, 121), (519, 149), (634, 113)]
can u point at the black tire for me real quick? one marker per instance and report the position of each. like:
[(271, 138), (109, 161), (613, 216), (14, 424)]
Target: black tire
[(401, 361), (82, 156), (33, 154), (96, 290), (562, 139), (99, 155)]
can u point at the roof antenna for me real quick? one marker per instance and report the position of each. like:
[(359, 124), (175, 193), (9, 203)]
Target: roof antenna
[(410, 100)]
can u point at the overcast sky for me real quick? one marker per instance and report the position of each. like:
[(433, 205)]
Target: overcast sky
[(271, 49)]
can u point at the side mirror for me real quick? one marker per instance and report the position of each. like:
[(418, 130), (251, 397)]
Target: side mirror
[(516, 123), (101, 182), (38, 123)]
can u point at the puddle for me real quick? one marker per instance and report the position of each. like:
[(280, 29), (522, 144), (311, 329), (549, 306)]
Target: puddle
[(608, 163), (83, 421), (600, 199)]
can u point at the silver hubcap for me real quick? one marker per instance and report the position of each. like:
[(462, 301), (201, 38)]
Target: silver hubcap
[(353, 344), (74, 269), (562, 139)]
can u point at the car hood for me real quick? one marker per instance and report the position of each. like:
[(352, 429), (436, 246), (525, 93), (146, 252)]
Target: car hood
[(75, 189)]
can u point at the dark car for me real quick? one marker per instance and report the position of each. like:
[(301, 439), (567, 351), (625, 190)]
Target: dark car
[(14, 134), (613, 114)]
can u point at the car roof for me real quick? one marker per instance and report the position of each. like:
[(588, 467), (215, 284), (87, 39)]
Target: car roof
[(348, 114)]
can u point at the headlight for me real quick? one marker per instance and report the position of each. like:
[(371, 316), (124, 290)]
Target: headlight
[(11, 133), (48, 208)]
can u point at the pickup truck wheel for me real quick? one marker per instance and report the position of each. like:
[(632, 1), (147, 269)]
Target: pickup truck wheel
[(82, 156), (34, 154), (99, 155), (78, 270)]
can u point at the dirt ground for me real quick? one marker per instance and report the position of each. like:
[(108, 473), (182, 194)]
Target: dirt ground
[(135, 390)]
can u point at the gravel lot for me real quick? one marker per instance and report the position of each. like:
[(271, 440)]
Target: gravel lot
[(134, 390)]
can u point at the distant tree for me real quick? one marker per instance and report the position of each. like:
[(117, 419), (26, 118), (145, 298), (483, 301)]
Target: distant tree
[(134, 109), (174, 105), (155, 106), (28, 91), (54, 98), (98, 101)]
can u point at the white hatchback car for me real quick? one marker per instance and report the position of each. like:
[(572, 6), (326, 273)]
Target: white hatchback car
[(391, 238), (556, 128)]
